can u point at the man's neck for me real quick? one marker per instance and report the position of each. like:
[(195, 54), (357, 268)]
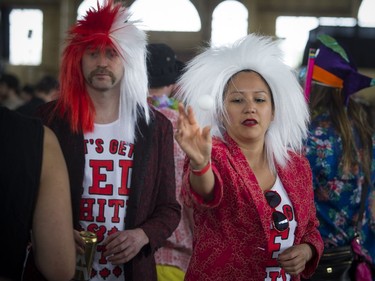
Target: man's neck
[(106, 106)]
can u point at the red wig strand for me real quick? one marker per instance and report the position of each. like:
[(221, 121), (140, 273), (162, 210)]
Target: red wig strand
[(92, 31)]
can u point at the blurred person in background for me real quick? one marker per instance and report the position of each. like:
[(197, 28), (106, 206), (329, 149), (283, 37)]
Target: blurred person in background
[(173, 258), (45, 90), (341, 149), (27, 92), (9, 91)]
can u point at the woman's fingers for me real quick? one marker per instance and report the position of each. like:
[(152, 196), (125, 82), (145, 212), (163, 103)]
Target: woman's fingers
[(206, 133), (187, 115), (181, 110), (191, 116)]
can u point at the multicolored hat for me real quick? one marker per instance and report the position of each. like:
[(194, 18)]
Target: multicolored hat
[(331, 66)]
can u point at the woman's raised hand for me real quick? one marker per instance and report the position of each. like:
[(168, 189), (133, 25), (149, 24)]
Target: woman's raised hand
[(193, 140)]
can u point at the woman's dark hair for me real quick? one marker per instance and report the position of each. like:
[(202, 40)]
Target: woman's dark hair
[(345, 119)]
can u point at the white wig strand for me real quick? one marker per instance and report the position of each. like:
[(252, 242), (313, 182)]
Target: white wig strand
[(209, 72), (131, 43)]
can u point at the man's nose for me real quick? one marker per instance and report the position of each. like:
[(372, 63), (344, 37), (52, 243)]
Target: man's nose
[(102, 60)]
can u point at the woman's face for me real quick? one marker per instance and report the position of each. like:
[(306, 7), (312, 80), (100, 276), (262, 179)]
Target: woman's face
[(248, 103)]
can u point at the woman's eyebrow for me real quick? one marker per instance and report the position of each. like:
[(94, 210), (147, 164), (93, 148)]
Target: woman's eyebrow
[(256, 91)]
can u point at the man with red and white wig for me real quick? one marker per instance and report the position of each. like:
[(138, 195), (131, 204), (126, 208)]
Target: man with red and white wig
[(118, 150)]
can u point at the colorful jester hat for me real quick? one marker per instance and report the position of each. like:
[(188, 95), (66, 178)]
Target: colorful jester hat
[(332, 66), (103, 26)]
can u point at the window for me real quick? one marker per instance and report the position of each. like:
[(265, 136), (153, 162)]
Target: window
[(366, 13), (86, 5), (25, 36), (295, 30), (295, 33), (166, 15), (337, 21), (229, 22)]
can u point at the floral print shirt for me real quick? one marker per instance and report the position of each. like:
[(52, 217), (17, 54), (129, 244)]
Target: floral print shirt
[(337, 196), (178, 247), (163, 102)]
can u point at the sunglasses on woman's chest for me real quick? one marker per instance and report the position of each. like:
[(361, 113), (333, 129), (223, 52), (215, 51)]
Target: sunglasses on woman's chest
[(279, 220)]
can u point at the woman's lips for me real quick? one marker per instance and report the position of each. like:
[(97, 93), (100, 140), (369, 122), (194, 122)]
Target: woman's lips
[(250, 122)]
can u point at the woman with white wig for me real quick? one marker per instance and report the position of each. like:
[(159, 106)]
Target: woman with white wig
[(245, 176)]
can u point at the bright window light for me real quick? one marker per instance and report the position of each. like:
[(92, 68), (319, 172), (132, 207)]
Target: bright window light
[(337, 21), (26, 36), (295, 32), (229, 22), (166, 15), (86, 5), (366, 16)]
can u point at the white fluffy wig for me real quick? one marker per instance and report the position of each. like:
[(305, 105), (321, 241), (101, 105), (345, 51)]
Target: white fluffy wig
[(134, 86), (209, 72)]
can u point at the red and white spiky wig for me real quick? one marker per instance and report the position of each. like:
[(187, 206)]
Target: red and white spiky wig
[(209, 72), (107, 25)]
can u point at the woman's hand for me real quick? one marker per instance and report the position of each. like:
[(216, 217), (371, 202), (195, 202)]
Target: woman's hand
[(293, 260), (197, 144), (193, 140)]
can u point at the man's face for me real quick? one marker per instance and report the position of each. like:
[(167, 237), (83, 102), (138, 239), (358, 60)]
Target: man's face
[(102, 69)]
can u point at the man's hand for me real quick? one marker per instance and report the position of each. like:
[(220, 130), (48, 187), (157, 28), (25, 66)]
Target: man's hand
[(122, 246), (80, 243)]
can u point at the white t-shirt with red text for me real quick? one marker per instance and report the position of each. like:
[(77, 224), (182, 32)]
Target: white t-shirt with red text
[(280, 241), (106, 185)]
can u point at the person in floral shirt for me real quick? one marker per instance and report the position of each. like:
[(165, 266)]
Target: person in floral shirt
[(341, 150), (337, 193)]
